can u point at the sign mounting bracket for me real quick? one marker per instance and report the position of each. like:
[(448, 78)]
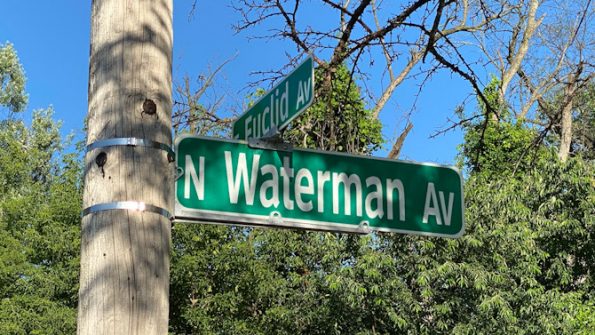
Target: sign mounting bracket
[(272, 140)]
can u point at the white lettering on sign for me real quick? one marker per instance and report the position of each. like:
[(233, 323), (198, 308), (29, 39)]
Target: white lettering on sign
[(308, 189), (304, 90), (374, 196), (233, 183), (391, 185), (197, 181), (323, 177), (342, 178), (431, 206), (446, 211), (287, 174), (269, 183), (272, 184), (274, 114), (283, 103), (430, 209)]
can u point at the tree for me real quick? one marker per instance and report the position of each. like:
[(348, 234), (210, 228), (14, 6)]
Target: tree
[(583, 124), (498, 146), (368, 33), (340, 123), (569, 43), (534, 214), (196, 109), (543, 57), (515, 270), (582, 141), (40, 193), (237, 280), (40, 196), (523, 266), (12, 80)]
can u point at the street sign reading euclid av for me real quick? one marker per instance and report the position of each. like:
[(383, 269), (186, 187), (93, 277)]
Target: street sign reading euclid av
[(222, 181), (280, 105)]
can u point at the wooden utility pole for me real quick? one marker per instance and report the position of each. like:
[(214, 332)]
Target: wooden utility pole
[(124, 283)]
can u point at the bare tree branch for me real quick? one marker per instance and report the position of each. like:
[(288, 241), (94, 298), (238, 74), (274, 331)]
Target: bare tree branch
[(396, 150), (518, 55), (360, 30), (194, 111)]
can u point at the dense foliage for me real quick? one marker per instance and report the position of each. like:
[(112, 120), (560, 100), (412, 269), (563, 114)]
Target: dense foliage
[(40, 199), (237, 280), (338, 120), (524, 265), (12, 80), (583, 116)]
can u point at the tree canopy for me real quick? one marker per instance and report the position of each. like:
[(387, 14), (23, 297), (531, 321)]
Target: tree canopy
[(40, 200), (12, 80)]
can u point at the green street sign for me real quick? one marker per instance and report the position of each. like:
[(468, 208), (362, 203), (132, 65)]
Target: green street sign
[(278, 107), (228, 182)]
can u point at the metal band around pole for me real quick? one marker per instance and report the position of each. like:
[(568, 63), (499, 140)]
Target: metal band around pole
[(128, 205), (132, 142)]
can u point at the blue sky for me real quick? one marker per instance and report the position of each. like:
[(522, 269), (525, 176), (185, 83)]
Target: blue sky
[(52, 40)]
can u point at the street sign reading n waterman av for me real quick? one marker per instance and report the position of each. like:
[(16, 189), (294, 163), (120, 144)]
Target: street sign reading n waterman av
[(223, 181), (280, 105)]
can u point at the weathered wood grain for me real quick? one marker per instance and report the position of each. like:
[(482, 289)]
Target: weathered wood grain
[(124, 279)]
